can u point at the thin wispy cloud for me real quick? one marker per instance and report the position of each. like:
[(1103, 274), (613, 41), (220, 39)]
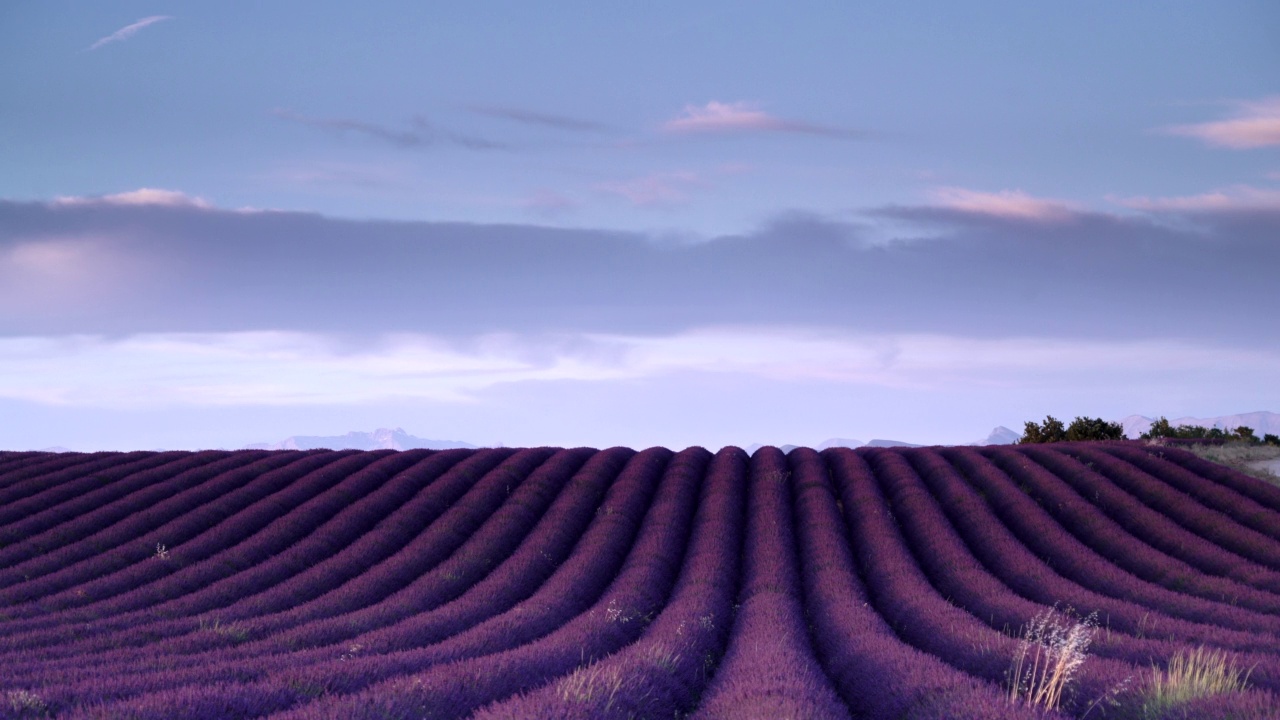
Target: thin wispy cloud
[(340, 174), (1007, 204), (739, 117), (529, 117), (1238, 198), (549, 202), (128, 31), (400, 138), (420, 133), (1257, 124), (655, 189)]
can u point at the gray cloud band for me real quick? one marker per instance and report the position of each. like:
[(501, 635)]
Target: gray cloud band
[(199, 269)]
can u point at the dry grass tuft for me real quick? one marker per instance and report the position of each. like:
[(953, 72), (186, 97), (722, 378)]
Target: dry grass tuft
[(1194, 674), (1053, 647)]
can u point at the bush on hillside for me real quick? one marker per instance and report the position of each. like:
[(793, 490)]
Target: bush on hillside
[(1162, 428)]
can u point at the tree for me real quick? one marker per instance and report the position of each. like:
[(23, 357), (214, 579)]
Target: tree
[(1087, 428), (1161, 428), (1082, 428), (1051, 430)]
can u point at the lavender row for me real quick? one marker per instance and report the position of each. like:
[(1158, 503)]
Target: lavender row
[(492, 669), (956, 573), (1001, 507), (460, 469), (54, 499), (365, 659), (1153, 526), (252, 536), (22, 466), (1213, 524), (514, 476), (14, 458), (564, 596), (65, 522), (1222, 497), (93, 573), (52, 471), (1263, 493), (769, 669), (878, 675), (900, 591), (467, 589), (662, 674), (322, 559), (1128, 541), (87, 536)]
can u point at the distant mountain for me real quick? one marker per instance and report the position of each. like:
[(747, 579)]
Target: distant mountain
[(1001, 435), (891, 443), (839, 442), (835, 442), (380, 439), (1262, 423)]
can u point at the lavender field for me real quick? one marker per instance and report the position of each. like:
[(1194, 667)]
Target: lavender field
[(581, 583)]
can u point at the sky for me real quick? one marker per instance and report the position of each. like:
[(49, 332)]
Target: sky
[(605, 223)]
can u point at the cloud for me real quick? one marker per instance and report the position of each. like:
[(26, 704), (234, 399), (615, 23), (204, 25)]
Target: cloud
[(141, 196), (1007, 204), (718, 117), (549, 202), (61, 275), (1238, 198), (274, 368), (1098, 276), (421, 133), (342, 174), (655, 189), (1257, 124), (528, 117), (127, 31)]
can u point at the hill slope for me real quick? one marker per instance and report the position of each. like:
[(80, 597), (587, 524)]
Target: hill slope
[(877, 582)]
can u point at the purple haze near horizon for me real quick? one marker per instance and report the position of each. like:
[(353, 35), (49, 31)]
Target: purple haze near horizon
[(495, 223)]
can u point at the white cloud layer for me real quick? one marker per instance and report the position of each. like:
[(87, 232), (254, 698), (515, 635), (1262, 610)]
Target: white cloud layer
[(301, 369), (141, 196)]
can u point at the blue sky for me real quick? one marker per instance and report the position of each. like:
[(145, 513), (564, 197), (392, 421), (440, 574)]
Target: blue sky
[(609, 223)]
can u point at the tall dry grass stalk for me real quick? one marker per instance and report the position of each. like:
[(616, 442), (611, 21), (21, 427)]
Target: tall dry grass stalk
[(1194, 674), (1053, 647)]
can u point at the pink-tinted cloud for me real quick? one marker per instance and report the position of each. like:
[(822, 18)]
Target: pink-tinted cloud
[(1237, 198), (128, 31), (549, 202), (718, 117), (655, 189), (1009, 204), (141, 196), (1257, 124)]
